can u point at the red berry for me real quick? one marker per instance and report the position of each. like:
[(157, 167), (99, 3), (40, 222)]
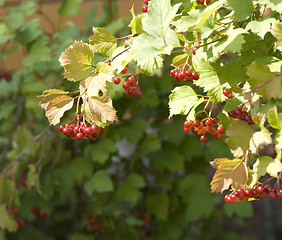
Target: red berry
[(240, 192), (139, 94), (146, 2), (227, 198), (260, 189), (79, 136), (95, 128), (215, 120), (145, 9), (126, 85), (208, 2), (87, 130), (117, 80), (227, 98), (272, 195), (188, 73), (186, 130), (66, 131), (218, 136), (195, 76), (135, 88), (203, 138), (226, 92), (76, 129), (220, 129), (196, 123), (187, 124), (131, 80), (248, 192), (61, 127), (172, 72), (124, 70), (208, 122), (202, 1)]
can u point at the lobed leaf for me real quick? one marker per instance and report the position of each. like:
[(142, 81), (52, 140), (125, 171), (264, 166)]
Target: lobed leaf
[(57, 107), (103, 42), (50, 95), (274, 118), (229, 172), (77, 61), (99, 182)]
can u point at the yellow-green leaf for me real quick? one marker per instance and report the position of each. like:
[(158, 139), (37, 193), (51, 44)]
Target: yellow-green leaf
[(259, 140), (57, 107), (49, 95), (229, 172), (101, 109), (77, 61)]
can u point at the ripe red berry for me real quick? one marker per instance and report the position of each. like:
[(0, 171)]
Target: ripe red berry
[(240, 192), (188, 73), (195, 76), (61, 127), (146, 2), (260, 189), (196, 123), (226, 92), (124, 70), (135, 88), (208, 122), (87, 130), (203, 138), (126, 85), (208, 2), (95, 128), (215, 120), (272, 195), (145, 9), (187, 124), (131, 80), (186, 130), (172, 72), (139, 94), (117, 80), (202, 1), (248, 192), (227, 198), (79, 136), (220, 129), (66, 131)]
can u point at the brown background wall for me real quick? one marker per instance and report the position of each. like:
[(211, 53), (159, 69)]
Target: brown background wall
[(50, 9)]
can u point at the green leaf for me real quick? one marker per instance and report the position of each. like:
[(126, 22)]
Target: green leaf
[(91, 14), (25, 141), (38, 52), (7, 108), (157, 204), (14, 20), (259, 75), (179, 59), (32, 177), (278, 143), (77, 61), (101, 150), (229, 172), (239, 135), (208, 80), (6, 221), (99, 182), (181, 100), (69, 7), (29, 32), (2, 2), (276, 31), (150, 143), (260, 27), (265, 165), (160, 15), (81, 167), (242, 209), (103, 42), (134, 130), (57, 107), (195, 190), (274, 118), (187, 23), (234, 42), (136, 23), (242, 8), (129, 190), (233, 73), (168, 159), (208, 11)]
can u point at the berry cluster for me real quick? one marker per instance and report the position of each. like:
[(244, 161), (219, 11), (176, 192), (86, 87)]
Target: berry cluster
[(40, 215), (81, 131), (200, 128), (95, 224), (260, 191), (226, 93), (145, 8), (243, 115), (184, 75), (14, 213), (6, 76), (131, 86), (205, 2)]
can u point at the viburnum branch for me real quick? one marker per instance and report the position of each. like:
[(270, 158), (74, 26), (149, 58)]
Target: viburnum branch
[(118, 54), (262, 85)]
